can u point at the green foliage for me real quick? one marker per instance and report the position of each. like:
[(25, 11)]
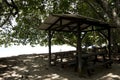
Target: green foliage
[(29, 14), (93, 38)]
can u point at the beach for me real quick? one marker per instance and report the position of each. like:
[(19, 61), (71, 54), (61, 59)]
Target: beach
[(35, 67)]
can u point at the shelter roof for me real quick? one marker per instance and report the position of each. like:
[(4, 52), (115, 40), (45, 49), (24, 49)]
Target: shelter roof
[(70, 22)]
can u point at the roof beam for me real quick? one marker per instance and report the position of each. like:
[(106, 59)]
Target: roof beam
[(95, 30), (86, 21), (53, 23), (60, 27)]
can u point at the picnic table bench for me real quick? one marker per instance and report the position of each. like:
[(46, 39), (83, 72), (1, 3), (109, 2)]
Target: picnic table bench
[(89, 60), (62, 57), (95, 62)]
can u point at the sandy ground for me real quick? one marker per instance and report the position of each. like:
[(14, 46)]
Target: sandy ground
[(35, 67)]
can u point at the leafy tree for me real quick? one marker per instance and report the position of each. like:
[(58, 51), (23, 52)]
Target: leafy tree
[(29, 14)]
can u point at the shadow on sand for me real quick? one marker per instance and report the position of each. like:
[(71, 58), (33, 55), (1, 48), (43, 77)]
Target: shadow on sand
[(35, 67)]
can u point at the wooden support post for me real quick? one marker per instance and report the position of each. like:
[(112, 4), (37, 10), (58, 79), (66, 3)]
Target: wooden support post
[(109, 43), (49, 44), (79, 51)]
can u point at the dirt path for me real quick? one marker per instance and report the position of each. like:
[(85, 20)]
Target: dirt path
[(35, 67)]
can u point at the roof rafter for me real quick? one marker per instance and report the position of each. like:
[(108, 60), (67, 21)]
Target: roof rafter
[(69, 22), (53, 24)]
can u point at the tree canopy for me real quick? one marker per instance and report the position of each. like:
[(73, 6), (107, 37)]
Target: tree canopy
[(20, 19)]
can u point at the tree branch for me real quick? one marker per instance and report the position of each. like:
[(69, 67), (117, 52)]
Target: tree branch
[(65, 40), (117, 6), (105, 6), (92, 6), (13, 5), (116, 12), (6, 20)]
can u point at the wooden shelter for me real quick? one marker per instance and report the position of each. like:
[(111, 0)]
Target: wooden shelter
[(76, 24)]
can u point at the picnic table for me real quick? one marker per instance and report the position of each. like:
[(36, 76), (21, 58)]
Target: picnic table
[(90, 60)]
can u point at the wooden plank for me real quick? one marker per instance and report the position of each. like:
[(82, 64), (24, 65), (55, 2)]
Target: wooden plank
[(49, 44), (79, 51), (62, 55), (105, 64), (91, 54), (63, 52), (53, 23), (109, 43)]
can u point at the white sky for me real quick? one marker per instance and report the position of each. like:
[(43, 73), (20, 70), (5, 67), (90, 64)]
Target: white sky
[(19, 50)]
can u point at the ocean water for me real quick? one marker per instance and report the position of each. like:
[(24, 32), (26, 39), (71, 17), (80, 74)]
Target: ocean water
[(20, 50)]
